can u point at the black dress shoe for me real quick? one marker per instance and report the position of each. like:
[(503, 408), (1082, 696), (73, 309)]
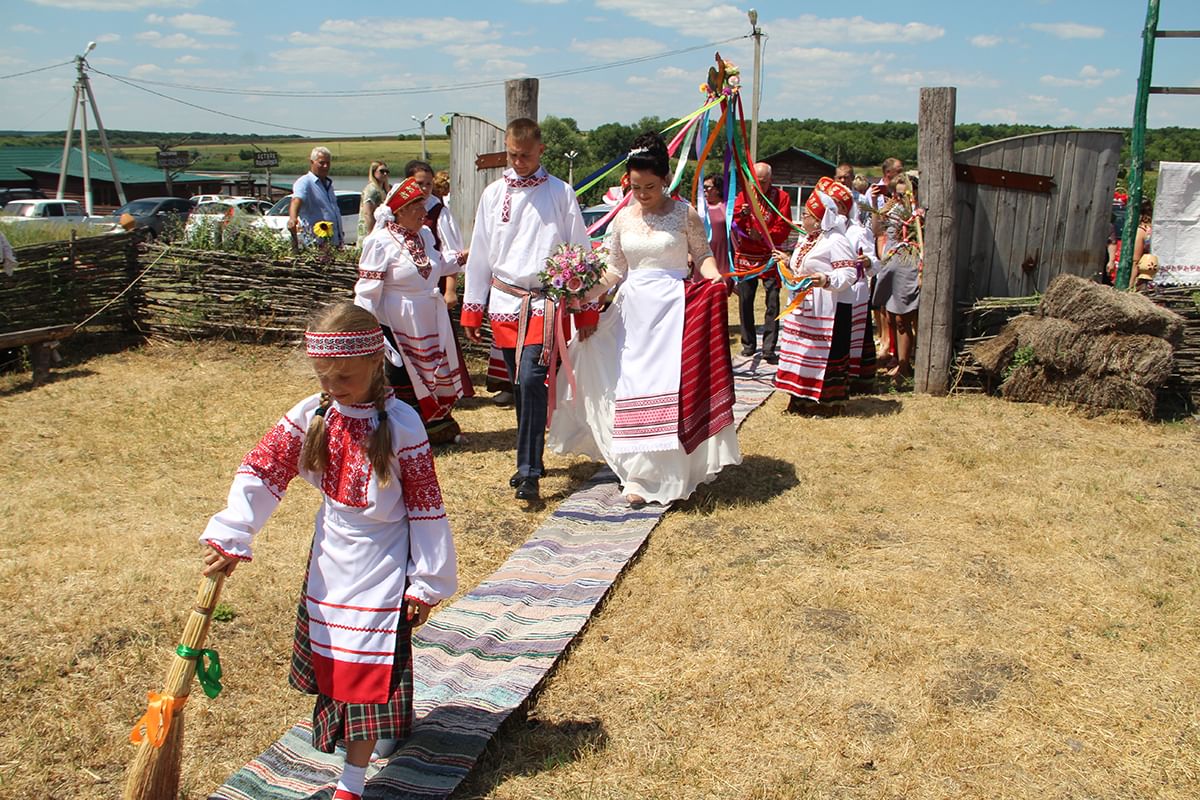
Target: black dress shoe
[(515, 480), (772, 359), (527, 489), (748, 351)]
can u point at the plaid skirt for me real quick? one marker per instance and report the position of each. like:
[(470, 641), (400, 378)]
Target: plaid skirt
[(334, 720)]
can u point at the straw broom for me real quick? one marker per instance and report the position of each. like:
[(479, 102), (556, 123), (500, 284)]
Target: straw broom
[(154, 773)]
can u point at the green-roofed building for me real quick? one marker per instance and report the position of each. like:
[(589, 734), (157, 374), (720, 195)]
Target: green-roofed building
[(39, 167)]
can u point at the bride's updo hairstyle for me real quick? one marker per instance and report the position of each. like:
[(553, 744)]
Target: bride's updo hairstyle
[(649, 152)]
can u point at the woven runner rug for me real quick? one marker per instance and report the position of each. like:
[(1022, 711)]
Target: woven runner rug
[(479, 659)]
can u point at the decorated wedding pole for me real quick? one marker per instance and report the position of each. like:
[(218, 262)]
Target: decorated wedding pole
[(154, 774), (935, 322)]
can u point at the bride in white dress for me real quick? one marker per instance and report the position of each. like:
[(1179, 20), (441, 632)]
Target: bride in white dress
[(655, 403)]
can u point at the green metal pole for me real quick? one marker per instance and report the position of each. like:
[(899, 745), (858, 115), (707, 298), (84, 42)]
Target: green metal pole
[(1137, 147)]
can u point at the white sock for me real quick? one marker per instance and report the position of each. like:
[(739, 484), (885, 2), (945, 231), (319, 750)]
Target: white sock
[(353, 778), (384, 748)]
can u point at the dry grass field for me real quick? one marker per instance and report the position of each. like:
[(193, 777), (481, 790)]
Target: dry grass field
[(929, 598)]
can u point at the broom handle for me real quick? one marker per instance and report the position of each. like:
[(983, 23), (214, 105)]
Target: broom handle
[(179, 678)]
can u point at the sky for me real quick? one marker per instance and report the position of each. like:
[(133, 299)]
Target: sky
[(1047, 62)]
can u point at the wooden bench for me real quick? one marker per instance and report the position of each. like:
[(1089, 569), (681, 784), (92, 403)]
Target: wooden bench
[(41, 343)]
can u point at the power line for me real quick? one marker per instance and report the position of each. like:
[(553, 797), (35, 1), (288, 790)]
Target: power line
[(31, 71), (248, 119), (414, 90)]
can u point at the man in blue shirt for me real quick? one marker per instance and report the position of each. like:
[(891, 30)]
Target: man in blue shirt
[(313, 200)]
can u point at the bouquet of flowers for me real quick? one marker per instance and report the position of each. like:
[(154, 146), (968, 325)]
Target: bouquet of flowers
[(571, 271)]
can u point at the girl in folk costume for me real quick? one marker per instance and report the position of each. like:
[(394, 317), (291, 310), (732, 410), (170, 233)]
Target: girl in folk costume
[(654, 383), (862, 338), (521, 220), (814, 354), (898, 285), (398, 274), (382, 555)]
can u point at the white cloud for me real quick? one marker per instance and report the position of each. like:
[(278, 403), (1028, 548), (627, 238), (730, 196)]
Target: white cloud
[(188, 59), (195, 23), (1089, 77), (985, 40), (145, 70), (115, 5), (109, 37), (702, 18), (1068, 30), (674, 73), (397, 33), (21, 27), (851, 30), (323, 60), (617, 49), (1009, 115), (640, 80), (715, 20), (177, 41), (934, 77)]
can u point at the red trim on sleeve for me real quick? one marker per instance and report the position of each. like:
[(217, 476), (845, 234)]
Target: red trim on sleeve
[(223, 552)]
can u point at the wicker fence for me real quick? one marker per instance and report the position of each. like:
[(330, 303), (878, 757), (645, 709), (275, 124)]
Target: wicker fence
[(192, 294)]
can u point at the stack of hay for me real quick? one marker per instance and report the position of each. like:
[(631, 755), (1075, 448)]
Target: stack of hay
[(1087, 345)]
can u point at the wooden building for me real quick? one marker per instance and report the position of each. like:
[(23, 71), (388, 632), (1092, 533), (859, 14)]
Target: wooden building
[(39, 167)]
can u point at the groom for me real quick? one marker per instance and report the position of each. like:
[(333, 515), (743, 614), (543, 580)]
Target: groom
[(521, 220)]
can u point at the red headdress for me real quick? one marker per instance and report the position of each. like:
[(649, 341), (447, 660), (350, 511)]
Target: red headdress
[(405, 192)]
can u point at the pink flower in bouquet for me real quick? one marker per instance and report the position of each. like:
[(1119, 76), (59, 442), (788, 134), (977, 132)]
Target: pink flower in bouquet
[(574, 285)]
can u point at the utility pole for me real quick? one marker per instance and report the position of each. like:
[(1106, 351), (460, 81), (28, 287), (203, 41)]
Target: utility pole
[(757, 33), (571, 156), (421, 122), (84, 96)]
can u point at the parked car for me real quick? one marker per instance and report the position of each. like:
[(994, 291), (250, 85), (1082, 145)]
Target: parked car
[(593, 214), (152, 214), (231, 210), (199, 199), (26, 211), (277, 218), (19, 193)]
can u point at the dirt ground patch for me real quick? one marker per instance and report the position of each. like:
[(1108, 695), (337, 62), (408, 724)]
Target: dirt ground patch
[(929, 598)]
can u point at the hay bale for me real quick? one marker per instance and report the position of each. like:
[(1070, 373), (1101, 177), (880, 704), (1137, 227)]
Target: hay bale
[(1036, 383), (995, 353), (1102, 309), (1064, 346)]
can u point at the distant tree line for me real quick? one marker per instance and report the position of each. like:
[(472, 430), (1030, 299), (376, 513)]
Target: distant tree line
[(864, 144)]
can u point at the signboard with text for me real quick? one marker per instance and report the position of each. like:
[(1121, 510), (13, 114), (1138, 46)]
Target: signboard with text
[(266, 158), (172, 159)]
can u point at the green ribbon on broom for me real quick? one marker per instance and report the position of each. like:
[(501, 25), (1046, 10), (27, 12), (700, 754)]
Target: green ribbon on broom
[(208, 668)]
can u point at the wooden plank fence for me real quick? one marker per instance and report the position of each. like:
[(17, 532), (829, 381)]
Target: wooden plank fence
[(1013, 241)]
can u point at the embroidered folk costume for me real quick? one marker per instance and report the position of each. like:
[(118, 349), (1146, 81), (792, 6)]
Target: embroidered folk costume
[(519, 223), (862, 244), (815, 342), (398, 274), (373, 547), (654, 383)]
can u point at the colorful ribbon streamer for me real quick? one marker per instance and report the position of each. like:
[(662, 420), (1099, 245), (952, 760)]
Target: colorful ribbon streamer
[(208, 668), (156, 722)]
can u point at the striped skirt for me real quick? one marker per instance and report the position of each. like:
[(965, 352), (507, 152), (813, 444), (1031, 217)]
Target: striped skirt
[(814, 356), (334, 720)]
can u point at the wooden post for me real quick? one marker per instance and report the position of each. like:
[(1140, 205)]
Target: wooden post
[(521, 99), (935, 157)]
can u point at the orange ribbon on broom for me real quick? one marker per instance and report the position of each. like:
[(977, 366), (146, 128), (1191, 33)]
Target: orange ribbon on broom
[(156, 722)]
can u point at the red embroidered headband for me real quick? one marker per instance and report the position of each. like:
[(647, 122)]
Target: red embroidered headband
[(840, 194), (406, 192), (343, 345)]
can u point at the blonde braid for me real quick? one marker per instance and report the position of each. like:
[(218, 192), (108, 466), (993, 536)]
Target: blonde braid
[(379, 450), (314, 452)]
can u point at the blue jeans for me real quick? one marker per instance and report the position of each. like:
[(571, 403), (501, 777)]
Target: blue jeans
[(531, 397)]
